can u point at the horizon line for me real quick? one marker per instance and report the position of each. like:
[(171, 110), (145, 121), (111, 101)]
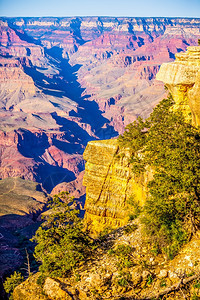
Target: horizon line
[(100, 16)]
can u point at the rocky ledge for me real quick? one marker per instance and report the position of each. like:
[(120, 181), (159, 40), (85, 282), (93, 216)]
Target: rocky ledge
[(150, 277), (182, 78)]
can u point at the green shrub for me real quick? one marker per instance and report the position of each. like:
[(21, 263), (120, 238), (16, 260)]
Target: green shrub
[(163, 283), (124, 279), (169, 146), (149, 279), (123, 255), (104, 233), (41, 279), (62, 244), (130, 228), (136, 208), (195, 297), (11, 283), (197, 285)]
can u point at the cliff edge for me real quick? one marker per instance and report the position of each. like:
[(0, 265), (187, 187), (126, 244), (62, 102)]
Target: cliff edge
[(182, 78), (112, 190), (111, 187)]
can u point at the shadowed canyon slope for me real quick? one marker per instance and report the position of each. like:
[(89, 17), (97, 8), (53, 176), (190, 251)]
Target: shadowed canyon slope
[(21, 202), (65, 81)]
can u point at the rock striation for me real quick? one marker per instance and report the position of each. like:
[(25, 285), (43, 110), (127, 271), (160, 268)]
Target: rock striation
[(72, 80), (112, 190), (182, 78)]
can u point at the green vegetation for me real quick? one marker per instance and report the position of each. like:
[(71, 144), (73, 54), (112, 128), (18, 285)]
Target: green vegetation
[(136, 209), (170, 146), (163, 283), (11, 282), (149, 279), (124, 278), (197, 284), (62, 244), (123, 253), (130, 228)]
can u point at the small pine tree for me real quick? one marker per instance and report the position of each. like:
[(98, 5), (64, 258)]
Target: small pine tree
[(61, 242), (11, 283)]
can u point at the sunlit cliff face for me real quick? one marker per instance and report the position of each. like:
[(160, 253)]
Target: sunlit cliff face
[(182, 78)]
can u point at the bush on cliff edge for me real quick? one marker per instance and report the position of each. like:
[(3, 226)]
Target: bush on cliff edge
[(170, 146), (62, 245), (11, 282)]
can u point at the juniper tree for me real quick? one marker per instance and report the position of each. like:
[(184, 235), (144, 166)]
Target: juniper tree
[(61, 241)]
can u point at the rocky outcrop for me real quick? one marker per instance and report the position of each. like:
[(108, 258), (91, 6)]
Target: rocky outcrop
[(182, 78), (33, 292), (112, 190), (108, 177), (149, 276)]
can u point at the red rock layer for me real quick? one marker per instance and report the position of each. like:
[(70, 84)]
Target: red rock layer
[(65, 81)]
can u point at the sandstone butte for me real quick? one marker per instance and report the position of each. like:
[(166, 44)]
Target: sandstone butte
[(109, 180), (182, 78)]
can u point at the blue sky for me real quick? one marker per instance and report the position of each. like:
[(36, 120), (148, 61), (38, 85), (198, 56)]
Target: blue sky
[(132, 8)]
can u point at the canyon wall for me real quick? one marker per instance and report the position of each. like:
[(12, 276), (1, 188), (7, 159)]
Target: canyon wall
[(112, 190), (67, 81)]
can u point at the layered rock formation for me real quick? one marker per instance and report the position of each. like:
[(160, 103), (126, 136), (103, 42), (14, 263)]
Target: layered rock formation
[(182, 78), (71, 80), (39, 156), (112, 190)]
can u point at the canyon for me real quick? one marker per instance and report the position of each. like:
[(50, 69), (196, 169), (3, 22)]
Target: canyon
[(65, 82), (110, 184)]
